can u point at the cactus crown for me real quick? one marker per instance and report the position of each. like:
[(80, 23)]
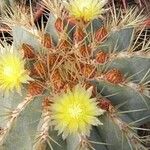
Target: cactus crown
[(88, 78)]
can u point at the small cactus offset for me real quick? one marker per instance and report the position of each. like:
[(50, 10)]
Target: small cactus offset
[(80, 82)]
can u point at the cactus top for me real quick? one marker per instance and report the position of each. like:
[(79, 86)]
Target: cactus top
[(86, 9), (74, 112)]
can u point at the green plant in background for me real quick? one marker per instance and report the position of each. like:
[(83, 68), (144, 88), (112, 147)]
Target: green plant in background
[(78, 83)]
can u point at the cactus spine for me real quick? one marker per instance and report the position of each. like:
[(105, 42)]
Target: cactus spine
[(86, 82)]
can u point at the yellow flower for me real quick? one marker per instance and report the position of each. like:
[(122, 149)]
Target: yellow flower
[(12, 72), (86, 9), (75, 112)]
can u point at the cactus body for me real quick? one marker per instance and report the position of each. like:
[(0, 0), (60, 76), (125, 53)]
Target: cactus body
[(89, 80)]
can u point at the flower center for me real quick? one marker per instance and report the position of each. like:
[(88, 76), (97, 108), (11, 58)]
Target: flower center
[(9, 71), (75, 111)]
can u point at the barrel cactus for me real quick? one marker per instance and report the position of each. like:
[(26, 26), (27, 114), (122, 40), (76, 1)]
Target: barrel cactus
[(80, 82)]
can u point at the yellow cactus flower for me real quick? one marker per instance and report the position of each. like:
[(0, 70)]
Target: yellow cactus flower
[(12, 72), (75, 112), (86, 9)]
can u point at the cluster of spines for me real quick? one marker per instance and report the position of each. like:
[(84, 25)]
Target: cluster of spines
[(41, 68)]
